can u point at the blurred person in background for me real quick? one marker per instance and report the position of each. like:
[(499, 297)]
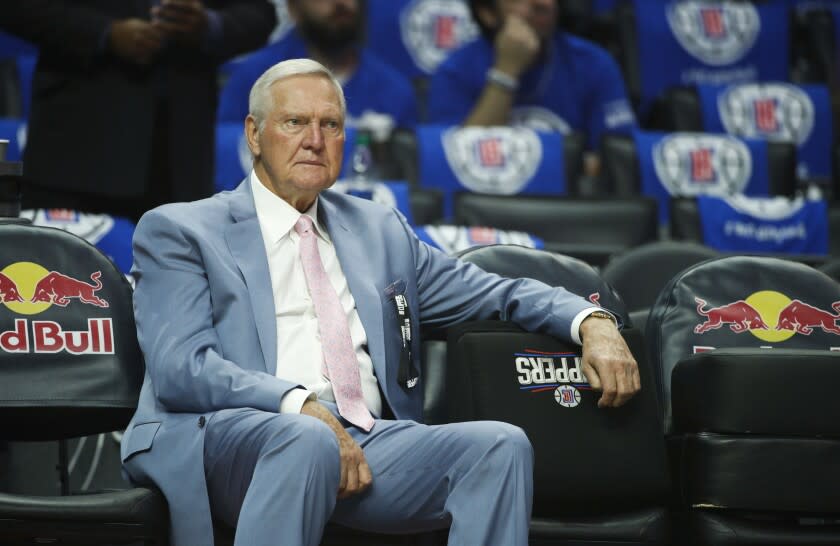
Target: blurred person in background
[(330, 32), (124, 96), (526, 72)]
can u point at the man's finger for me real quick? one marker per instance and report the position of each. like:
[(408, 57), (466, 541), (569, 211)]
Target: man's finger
[(608, 387), (352, 484), (623, 387), (591, 375), (637, 380), (365, 476)]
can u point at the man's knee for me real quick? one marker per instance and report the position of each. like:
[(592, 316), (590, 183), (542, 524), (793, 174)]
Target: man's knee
[(512, 439), (307, 439)]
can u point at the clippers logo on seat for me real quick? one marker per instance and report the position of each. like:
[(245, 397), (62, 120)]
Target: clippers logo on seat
[(773, 111), (559, 373), (28, 289), (768, 315), (690, 164), (498, 160), (716, 33), (432, 28)]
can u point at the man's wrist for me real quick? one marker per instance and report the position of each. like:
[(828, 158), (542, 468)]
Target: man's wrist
[(504, 79)]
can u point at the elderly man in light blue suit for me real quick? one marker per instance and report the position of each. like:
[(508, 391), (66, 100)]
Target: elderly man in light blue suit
[(238, 420)]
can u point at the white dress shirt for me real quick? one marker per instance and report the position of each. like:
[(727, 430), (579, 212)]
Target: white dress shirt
[(299, 355)]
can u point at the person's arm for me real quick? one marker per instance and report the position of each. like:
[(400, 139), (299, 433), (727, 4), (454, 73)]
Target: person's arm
[(516, 45), (221, 32), (74, 31), (174, 316), (451, 291)]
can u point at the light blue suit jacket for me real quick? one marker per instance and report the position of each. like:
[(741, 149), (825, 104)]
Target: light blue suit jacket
[(206, 324)]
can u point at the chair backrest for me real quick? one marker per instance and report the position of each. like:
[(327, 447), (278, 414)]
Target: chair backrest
[(70, 364), (741, 301), (494, 160), (552, 268), (415, 36), (592, 229), (775, 111), (610, 459), (699, 42), (640, 273), (426, 205)]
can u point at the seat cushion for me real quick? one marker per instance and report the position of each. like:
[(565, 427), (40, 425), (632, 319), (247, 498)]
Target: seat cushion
[(130, 506), (645, 526), (723, 528), (761, 473)]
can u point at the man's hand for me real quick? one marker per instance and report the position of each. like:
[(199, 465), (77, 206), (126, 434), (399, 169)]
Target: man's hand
[(134, 40), (517, 44), (184, 21), (607, 362), (355, 472)]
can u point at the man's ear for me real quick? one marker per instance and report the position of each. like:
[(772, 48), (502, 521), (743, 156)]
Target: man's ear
[(252, 133)]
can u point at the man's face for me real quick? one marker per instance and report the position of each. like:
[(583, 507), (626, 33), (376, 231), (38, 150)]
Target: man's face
[(540, 14), (328, 24), (298, 153)]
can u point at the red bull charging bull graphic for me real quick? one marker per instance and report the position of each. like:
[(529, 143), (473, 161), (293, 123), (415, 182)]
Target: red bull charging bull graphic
[(769, 315), (28, 289)]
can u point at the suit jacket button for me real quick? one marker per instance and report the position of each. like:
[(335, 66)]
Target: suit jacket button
[(201, 422)]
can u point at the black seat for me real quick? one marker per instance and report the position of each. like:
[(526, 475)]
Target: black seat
[(70, 366), (599, 476), (725, 336), (640, 273), (591, 229)]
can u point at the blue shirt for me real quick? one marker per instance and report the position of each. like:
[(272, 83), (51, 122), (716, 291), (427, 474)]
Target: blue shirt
[(577, 86), (373, 87)]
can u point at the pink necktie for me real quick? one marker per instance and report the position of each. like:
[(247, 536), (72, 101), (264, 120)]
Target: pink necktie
[(336, 344)]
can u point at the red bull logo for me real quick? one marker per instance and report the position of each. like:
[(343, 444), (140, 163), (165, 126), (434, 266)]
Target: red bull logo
[(769, 316), (27, 289)]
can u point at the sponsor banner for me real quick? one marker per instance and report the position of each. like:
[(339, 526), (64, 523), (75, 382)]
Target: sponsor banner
[(776, 111), (28, 289), (692, 164), (391, 193), (560, 374), (493, 160), (777, 224), (454, 239), (415, 36), (690, 42)]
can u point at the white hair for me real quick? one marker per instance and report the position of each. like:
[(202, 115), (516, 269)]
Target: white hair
[(260, 100)]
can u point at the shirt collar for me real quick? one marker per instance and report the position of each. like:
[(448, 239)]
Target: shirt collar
[(277, 217)]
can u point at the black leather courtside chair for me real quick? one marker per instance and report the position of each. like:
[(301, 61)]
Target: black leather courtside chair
[(754, 445), (70, 366), (600, 476)]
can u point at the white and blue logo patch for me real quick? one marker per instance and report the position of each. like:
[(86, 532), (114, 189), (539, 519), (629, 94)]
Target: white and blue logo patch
[(717, 33), (538, 119), (560, 373), (497, 160), (432, 28), (773, 111), (690, 164)]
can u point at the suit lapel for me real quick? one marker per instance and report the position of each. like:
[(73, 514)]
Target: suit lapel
[(244, 239), (349, 242)]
